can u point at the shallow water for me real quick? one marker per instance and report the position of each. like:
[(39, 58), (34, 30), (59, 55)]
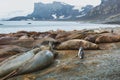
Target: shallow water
[(41, 26)]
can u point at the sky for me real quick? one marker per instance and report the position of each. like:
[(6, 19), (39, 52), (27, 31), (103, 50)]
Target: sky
[(12, 8)]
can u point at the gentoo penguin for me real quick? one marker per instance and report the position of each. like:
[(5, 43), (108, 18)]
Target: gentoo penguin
[(81, 53)]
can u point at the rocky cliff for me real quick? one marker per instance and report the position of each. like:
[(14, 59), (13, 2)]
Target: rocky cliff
[(108, 10), (55, 11)]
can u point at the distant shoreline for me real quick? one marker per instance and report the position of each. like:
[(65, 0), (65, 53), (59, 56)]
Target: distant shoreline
[(96, 29), (43, 26), (83, 21)]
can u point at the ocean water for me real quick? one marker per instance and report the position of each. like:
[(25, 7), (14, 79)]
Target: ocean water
[(41, 26)]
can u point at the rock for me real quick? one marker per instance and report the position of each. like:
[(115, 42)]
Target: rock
[(109, 38), (76, 44), (34, 60)]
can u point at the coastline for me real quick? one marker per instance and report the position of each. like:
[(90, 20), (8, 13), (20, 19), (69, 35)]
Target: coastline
[(44, 26), (92, 66)]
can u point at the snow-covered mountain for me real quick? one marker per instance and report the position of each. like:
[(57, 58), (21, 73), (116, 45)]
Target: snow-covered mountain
[(55, 11)]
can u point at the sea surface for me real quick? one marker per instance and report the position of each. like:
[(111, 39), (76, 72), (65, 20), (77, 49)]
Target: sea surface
[(41, 26)]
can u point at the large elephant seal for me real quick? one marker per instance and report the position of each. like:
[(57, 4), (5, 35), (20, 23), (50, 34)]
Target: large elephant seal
[(74, 44), (41, 60), (27, 62), (15, 62)]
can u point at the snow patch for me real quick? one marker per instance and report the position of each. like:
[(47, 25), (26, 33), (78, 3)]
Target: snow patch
[(63, 3), (79, 8), (33, 18), (54, 16), (80, 15), (61, 17), (68, 17)]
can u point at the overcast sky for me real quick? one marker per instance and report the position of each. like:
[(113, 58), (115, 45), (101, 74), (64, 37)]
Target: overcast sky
[(11, 8)]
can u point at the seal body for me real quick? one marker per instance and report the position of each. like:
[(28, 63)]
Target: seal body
[(27, 62), (41, 60), (15, 62)]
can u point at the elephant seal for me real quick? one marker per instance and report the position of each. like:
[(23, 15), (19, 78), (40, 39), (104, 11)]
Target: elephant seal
[(15, 61), (75, 44), (28, 62), (41, 60)]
